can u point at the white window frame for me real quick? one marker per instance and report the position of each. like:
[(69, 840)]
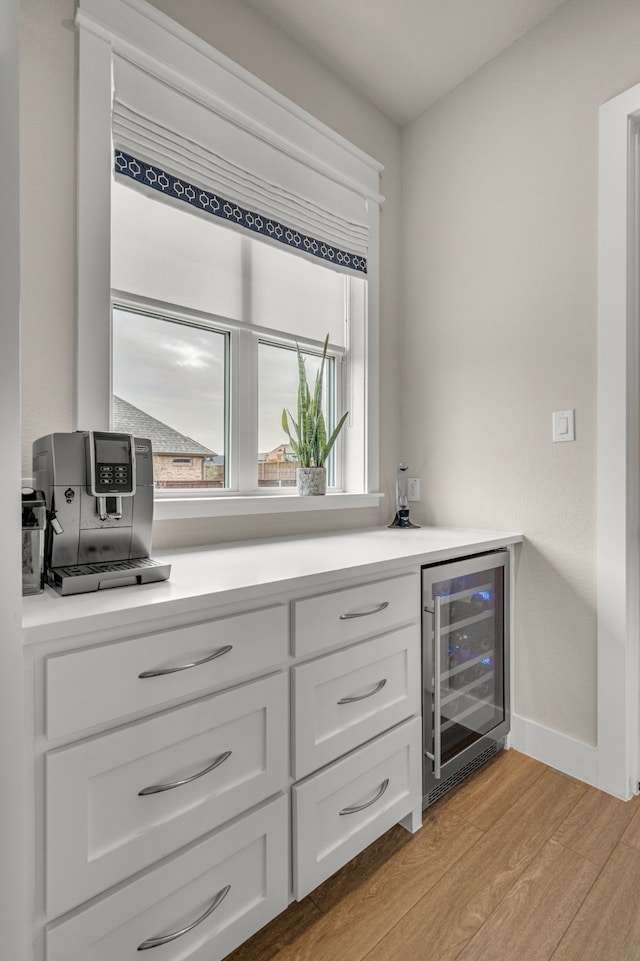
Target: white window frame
[(241, 448), (139, 32)]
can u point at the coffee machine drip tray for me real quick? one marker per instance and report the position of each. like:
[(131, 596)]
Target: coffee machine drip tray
[(82, 578)]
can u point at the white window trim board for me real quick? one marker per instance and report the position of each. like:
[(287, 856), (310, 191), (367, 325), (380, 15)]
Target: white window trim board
[(173, 506), (137, 31), (144, 35)]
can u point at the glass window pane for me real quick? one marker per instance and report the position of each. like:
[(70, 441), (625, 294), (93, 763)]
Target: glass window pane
[(169, 385), (167, 252), (296, 295), (278, 389)]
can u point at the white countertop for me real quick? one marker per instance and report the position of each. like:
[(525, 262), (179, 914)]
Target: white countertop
[(249, 570)]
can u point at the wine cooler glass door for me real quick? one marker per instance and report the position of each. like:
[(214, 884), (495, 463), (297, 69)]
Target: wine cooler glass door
[(464, 656)]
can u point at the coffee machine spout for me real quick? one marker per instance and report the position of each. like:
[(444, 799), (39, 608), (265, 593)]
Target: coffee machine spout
[(109, 507)]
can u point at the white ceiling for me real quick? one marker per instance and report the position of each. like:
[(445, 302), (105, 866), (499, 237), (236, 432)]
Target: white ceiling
[(403, 55)]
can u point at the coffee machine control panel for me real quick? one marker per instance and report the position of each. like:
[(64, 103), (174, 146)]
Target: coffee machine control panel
[(112, 464)]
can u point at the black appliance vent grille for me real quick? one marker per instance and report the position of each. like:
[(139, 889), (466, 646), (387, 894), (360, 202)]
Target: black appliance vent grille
[(445, 786)]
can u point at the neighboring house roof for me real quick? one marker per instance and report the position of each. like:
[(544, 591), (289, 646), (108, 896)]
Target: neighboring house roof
[(164, 439), (285, 448)]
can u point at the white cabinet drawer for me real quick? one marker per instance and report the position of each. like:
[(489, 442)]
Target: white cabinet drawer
[(341, 810), (101, 684), (248, 860), (346, 698), (100, 829), (356, 612)]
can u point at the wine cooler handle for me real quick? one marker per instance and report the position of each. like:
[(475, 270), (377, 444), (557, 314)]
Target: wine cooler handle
[(437, 671)]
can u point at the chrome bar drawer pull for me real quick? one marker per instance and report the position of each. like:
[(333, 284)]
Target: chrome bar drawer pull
[(158, 788), (156, 942), (355, 808), (362, 697), (185, 667), (374, 610)]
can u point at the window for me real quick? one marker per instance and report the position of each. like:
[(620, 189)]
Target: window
[(169, 385), (203, 317), (224, 300), (277, 388)]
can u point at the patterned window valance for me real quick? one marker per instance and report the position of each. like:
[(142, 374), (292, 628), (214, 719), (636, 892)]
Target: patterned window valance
[(172, 139), (179, 189)]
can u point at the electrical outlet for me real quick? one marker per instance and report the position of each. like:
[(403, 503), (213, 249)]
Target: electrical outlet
[(413, 488)]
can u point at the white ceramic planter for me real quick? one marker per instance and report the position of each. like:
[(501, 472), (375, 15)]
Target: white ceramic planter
[(311, 481)]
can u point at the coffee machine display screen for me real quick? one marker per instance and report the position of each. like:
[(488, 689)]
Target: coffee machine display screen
[(113, 463), (113, 450)]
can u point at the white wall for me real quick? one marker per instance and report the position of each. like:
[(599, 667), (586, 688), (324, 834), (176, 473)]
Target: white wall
[(47, 168), (12, 794), (499, 232), (499, 240), (48, 209)]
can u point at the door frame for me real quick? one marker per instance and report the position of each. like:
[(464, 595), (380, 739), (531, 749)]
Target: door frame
[(618, 472), (13, 868)]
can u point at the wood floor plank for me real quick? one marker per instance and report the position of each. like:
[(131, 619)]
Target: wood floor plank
[(531, 920), (450, 914), (354, 874), (485, 797), (265, 945), (632, 834), (607, 926), (354, 925), (595, 825)]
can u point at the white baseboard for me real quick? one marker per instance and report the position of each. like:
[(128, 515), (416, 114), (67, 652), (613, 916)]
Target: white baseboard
[(559, 751)]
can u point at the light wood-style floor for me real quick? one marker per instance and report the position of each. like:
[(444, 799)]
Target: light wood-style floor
[(519, 863)]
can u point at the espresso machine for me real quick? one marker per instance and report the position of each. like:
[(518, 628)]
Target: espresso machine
[(98, 487)]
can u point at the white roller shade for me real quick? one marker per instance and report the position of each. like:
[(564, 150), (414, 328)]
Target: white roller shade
[(170, 132)]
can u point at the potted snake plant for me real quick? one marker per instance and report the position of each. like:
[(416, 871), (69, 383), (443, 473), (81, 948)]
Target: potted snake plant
[(308, 434)]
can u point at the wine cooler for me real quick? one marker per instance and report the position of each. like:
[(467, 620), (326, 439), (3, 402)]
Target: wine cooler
[(465, 664)]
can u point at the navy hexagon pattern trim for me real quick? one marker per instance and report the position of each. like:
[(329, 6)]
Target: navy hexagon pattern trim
[(210, 203)]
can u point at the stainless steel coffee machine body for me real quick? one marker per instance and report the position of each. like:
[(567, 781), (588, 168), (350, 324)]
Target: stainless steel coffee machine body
[(99, 491)]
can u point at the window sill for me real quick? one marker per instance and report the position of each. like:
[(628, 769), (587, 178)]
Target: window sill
[(181, 507)]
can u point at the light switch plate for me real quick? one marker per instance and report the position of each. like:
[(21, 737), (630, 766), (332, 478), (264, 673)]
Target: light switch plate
[(564, 425), (413, 488)]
